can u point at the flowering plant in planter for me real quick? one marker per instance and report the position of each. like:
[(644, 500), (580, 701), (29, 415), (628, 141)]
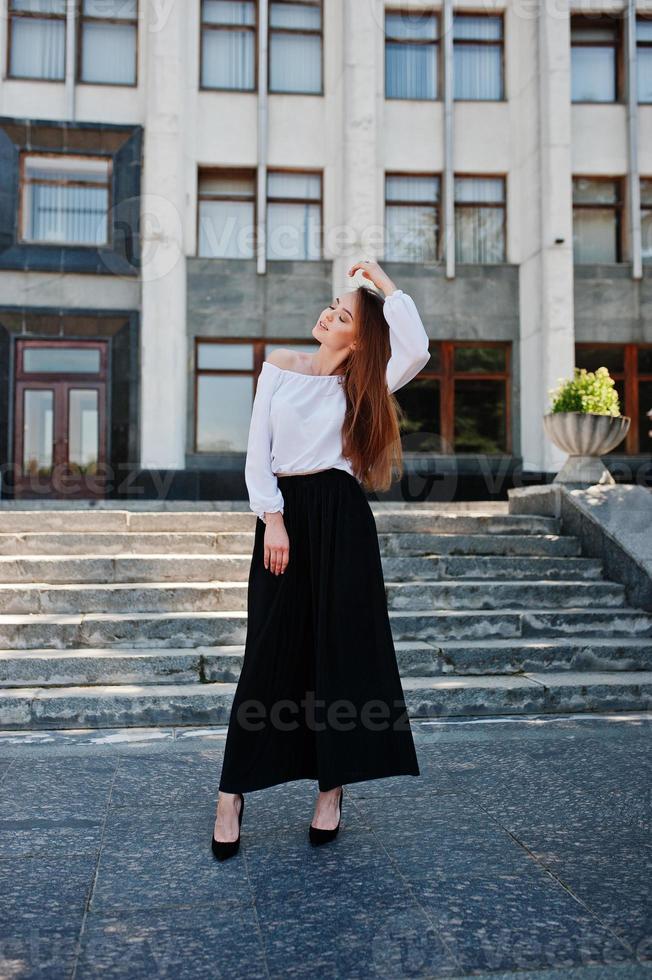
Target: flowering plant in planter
[(585, 421)]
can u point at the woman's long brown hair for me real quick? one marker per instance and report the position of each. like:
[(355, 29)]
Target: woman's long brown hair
[(371, 437)]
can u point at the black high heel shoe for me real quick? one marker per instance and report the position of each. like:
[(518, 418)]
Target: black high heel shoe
[(226, 849), (318, 836)]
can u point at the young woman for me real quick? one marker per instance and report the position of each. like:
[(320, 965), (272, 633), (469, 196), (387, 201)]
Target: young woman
[(319, 694)]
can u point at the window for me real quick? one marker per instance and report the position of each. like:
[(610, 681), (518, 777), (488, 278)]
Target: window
[(478, 57), (225, 376), (226, 214), (37, 39), (480, 219), (295, 46), (228, 44), (411, 55), (411, 218), (595, 48), (646, 218), (64, 200), (107, 46), (630, 365), (293, 215), (460, 401), (644, 58), (596, 219)]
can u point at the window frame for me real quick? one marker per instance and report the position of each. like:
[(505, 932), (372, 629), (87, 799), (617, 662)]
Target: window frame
[(258, 344), (13, 15), (631, 378), (437, 206), (249, 173), (447, 376), (483, 204), (578, 19), (254, 28), (312, 171), (319, 4), (23, 182), (436, 42), (80, 19), (618, 207), (489, 42)]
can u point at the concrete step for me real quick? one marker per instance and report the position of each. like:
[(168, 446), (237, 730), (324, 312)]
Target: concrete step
[(97, 543), (110, 706), (107, 569), (224, 596), (169, 630), (387, 519), (84, 667)]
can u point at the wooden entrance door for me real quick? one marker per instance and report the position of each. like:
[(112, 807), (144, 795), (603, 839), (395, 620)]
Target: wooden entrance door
[(60, 419)]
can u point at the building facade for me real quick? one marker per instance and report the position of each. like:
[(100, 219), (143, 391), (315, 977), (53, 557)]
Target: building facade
[(184, 183)]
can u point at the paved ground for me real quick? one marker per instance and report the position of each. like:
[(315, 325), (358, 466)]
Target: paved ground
[(523, 846)]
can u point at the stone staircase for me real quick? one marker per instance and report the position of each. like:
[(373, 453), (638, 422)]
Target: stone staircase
[(115, 617)]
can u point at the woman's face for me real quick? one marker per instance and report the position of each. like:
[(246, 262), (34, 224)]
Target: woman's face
[(336, 326)]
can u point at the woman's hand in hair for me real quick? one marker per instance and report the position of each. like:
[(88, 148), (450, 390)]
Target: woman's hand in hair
[(372, 271), (276, 548)]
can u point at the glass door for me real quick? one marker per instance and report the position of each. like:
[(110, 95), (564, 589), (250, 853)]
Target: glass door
[(60, 419)]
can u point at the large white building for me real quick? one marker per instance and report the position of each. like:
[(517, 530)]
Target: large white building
[(184, 183)]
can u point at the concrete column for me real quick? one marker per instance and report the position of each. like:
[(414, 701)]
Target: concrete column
[(546, 278), (362, 175), (163, 326), (71, 57), (263, 130), (448, 181)]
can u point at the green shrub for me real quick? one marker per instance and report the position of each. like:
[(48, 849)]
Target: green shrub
[(588, 391)]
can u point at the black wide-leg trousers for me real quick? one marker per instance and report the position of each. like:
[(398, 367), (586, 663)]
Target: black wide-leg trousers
[(319, 694)]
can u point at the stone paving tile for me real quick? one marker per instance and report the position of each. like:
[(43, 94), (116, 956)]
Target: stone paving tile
[(56, 833), (335, 936), (503, 921), (39, 945), (183, 944), (44, 885), (166, 781), (161, 858), (44, 787)]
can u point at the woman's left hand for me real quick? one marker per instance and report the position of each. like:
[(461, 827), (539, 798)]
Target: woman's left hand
[(372, 271)]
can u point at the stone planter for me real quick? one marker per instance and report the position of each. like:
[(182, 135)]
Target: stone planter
[(585, 436)]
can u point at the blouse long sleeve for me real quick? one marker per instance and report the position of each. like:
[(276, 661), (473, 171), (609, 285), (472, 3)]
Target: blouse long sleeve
[(262, 485), (408, 339)]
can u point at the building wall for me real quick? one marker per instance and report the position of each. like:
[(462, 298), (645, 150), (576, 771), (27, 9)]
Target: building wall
[(536, 138)]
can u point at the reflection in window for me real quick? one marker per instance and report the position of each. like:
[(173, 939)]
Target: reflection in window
[(293, 215), (228, 44), (594, 59), (411, 54), (480, 219), (459, 402), (646, 218), (644, 58), (108, 33), (37, 39), (411, 218), (596, 220), (38, 433), (226, 209), (65, 199), (83, 430), (295, 46), (478, 57)]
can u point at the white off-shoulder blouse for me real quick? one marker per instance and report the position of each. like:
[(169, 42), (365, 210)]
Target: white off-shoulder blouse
[(296, 419)]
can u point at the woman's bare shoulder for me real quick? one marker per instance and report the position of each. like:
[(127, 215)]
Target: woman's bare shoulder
[(290, 360)]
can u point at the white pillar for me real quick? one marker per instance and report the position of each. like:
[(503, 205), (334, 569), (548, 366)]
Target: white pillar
[(546, 281), (164, 363), (362, 171)]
